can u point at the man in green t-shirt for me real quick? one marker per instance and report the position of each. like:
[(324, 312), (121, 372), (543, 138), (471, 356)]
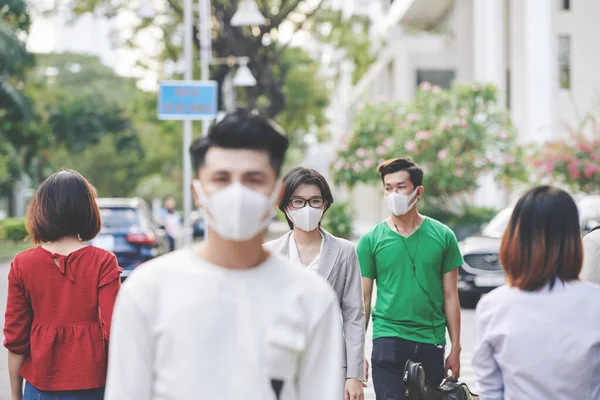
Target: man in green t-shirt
[(414, 261)]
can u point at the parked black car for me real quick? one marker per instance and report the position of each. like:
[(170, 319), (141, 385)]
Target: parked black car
[(482, 271), (128, 231)]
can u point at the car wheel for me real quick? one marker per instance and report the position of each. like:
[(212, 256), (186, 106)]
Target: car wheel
[(469, 300)]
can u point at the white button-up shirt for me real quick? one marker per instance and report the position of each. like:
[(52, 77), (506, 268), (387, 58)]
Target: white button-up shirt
[(541, 345), (295, 256)]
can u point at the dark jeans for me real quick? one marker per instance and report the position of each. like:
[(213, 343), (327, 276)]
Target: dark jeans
[(389, 358), (32, 393), (171, 241)]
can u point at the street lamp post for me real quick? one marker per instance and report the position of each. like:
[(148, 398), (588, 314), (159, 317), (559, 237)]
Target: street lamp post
[(247, 14)]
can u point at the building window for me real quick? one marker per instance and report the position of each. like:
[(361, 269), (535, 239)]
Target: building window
[(564, 61), (565, 5), (440, 77)]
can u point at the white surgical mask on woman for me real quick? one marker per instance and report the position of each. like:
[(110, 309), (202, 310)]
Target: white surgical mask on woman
[(237, 212), (399, 204), (305, 218)]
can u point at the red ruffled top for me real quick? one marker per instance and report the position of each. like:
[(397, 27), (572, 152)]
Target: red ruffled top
[(58, 314)]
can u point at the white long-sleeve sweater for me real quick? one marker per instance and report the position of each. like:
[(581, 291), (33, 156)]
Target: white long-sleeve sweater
[(186, 329)]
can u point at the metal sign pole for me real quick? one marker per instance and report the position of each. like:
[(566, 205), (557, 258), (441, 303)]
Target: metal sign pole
[(187, 127)]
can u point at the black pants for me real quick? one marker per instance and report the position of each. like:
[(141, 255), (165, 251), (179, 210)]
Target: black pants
[(389, 358)]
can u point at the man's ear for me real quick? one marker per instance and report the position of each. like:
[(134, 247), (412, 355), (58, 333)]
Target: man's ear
[(195, 189), (420, 192), (280, 195)]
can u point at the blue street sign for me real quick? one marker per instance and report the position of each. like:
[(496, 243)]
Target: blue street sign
[(187, 100)]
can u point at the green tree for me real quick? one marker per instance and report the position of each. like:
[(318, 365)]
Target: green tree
[(259, 44), (15, 107), (347, 34), (14, 59), (78, 103), (456, 135)]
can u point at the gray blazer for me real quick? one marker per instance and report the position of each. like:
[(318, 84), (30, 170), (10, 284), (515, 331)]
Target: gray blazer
[(591, 257), (339, 265)]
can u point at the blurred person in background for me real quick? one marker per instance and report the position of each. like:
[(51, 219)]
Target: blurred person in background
[(60, 297), (414, 261), (591, 257), (306, 198), (226, 319), (171, 221), (538, 337)]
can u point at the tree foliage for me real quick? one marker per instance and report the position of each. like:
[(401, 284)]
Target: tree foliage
[(350, 35), (456, 135), (258, 43), (15, 107)]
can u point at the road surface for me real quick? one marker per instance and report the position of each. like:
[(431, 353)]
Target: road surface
[(468, 338)]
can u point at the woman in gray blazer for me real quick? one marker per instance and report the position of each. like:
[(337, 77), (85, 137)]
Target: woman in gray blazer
[(306, 198)]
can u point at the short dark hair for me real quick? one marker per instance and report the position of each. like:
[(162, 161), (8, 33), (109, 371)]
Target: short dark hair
[(303, 176), (64, 205), (243, 129), (542, 241), (402, 164)]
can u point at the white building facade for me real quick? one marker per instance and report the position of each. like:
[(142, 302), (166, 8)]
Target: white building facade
[(541, 54)]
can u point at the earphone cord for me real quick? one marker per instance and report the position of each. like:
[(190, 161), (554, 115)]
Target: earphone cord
[(412, 259)]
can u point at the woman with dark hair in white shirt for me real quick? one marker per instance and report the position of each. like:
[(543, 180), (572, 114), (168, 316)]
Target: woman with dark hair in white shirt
[(539, 336)]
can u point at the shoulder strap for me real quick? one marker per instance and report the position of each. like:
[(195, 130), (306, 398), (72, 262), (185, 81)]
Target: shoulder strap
[(594, 229)]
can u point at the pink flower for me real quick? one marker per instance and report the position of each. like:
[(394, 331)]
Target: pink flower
[(361, 152), (390, 117), (389, 142), (459, 172), (412, 117), (443, 154), (425, 86), (368, 163), (410, 146), (423, 135), (338, 165), (380, 151), (459, 161), (355, 167), (594, 156), (463, 113), (589, 171), (549, 168), (443, 126), (575, 175), (461, 122), (436, 89), (503, 135), (573, 166), (401, 124)]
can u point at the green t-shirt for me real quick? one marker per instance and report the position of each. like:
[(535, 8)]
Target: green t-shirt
[(410, 302)]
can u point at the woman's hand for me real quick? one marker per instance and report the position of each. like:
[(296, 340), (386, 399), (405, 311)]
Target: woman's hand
[(353, 390)]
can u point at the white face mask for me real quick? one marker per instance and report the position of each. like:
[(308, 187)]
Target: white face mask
[(399, 204), (236, 212), (305, 218)]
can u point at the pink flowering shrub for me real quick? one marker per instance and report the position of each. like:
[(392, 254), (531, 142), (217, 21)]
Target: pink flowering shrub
[(574, 162), (456, 135)]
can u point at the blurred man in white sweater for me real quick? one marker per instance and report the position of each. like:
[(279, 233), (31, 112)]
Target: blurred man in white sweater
[(226, 320)]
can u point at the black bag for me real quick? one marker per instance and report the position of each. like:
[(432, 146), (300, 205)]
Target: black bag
[(418, 389)]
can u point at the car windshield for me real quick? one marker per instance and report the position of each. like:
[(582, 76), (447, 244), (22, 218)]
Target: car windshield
[(498, 224), (115, 218)]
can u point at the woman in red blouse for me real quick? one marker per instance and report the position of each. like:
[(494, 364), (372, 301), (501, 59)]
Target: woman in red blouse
[(61, 296)]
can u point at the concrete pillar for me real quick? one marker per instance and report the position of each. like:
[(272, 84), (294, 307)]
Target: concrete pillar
[(489, 43), (489, 66), (539, 67)]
